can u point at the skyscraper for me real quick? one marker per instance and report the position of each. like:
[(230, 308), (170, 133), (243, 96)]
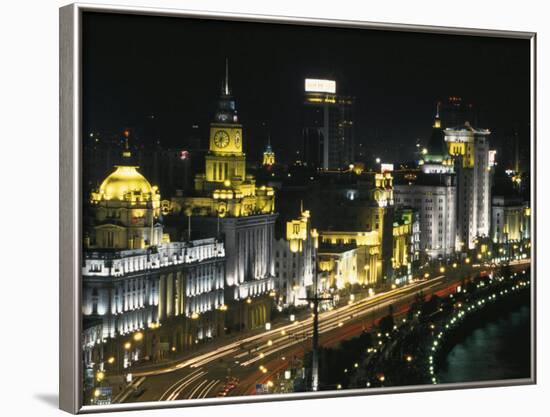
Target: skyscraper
[(469, 148), (328, 139)]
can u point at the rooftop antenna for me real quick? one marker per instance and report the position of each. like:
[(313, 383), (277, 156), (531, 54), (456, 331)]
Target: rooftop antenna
[(226, 83)]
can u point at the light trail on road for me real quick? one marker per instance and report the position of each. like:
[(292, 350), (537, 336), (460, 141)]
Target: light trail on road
[(329, 323), (233, 347), (272, 349), (207, 389), (172, 393), (279, 337)]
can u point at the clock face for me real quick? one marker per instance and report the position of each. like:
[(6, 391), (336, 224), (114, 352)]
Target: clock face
[(221, 139)]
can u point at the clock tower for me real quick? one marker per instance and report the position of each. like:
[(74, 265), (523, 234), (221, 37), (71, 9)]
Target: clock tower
[(226, 201), (225, 160), (225, 189)]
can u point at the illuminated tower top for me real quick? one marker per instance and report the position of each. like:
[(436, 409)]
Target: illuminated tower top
[(226, 111), (437, 149), (269, 155), (437, 121)]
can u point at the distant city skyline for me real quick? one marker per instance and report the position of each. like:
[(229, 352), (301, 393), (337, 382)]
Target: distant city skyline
[(396, 79)]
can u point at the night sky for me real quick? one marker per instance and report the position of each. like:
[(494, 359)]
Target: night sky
[(135, 66)]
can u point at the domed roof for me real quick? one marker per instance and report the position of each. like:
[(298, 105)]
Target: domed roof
[(436, 145), (124, 180)]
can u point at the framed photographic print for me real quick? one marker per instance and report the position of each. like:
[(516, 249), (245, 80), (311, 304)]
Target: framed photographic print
[(258, 208)]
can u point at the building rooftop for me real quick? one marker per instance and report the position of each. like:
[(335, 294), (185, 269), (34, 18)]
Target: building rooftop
[(420, 178)]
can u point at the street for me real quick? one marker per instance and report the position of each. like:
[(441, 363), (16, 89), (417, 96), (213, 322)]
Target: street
[(255, 359)]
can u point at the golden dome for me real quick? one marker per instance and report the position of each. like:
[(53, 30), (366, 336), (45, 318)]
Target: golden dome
[(126, 183)]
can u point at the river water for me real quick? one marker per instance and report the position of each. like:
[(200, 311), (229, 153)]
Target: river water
[(498, 350)]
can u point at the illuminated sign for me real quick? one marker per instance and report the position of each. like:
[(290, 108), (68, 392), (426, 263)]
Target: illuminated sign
[(320, 86), (386, 168)]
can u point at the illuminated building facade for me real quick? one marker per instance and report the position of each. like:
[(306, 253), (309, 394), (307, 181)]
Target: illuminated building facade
[(405, 233), (328, 132), (295, 261), (339, 263), (368, 249), (469, 149), (510, 219), (142, 295), (358, 208), (227, 202), (431, 192), (433, 196)]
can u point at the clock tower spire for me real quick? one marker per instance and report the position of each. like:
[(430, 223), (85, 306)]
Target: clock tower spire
[(225, 188), (225, 160), (226, 111), (225, 89)]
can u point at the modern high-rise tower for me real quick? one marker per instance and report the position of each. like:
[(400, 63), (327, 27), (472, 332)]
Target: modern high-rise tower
[(469, 148), (328, 139)]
